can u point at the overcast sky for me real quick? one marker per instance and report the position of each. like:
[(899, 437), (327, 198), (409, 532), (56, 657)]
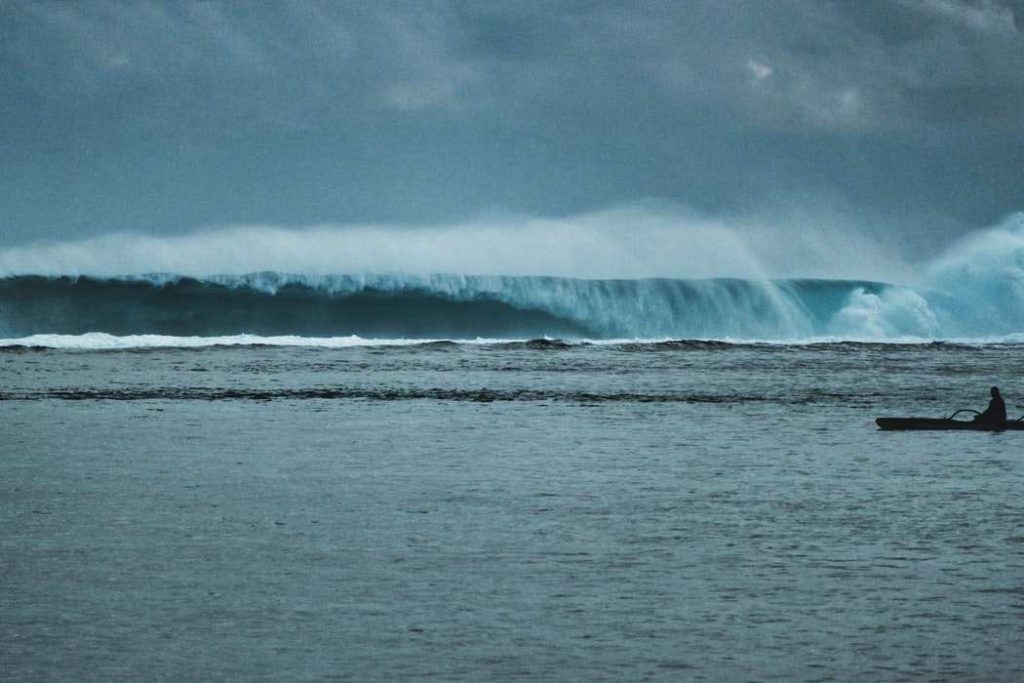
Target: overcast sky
[(159, 117)]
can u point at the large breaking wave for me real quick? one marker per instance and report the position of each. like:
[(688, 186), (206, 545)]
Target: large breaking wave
[(419, 307), (461, 307), (975, 292)]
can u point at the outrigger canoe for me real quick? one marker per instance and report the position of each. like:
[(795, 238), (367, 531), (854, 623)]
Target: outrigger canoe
[(929, 423)]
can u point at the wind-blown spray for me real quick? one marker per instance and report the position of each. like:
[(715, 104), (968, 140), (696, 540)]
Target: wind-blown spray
[(975, 291)]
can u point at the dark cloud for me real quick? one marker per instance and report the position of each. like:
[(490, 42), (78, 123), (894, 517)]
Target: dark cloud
[(150, 115), (1017, 7)]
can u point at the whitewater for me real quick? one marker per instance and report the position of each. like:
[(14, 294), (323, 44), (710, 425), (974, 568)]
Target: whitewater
[(352, 283)]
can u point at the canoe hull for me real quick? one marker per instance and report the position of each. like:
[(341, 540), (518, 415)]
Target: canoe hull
[(933, 423)]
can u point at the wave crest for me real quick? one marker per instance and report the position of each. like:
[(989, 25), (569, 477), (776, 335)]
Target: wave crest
[(422, 307), (976, 291)]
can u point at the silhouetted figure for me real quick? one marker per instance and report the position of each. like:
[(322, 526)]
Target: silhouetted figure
[(995, 414)]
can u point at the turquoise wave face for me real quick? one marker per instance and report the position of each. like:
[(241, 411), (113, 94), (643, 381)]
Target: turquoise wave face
[(978, 295), (460, 307), (974, 291)]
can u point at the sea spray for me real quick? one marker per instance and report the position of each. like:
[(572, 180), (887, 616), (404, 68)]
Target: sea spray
[(621, 243), (889, 313), (979, 283), (975, 291)]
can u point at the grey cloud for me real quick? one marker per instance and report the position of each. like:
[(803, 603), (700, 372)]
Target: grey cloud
[(263, 64), (834, 64), (1017, 7), (300, 111)]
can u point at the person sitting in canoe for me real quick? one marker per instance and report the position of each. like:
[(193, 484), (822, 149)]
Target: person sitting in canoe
[(996, 411)]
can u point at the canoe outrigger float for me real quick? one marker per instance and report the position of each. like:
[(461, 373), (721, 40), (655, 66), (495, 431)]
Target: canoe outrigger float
[(928, 423)]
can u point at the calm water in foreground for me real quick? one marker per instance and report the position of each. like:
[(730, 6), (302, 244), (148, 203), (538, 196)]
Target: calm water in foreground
[(509, 512)]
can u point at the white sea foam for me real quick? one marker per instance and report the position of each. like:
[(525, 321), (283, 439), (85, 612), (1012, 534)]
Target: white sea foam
[(97, 341), (888, 314), (100, 341), (974, 291)]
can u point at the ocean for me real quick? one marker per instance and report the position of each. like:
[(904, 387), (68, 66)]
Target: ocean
[(299, 475), (506, 510)]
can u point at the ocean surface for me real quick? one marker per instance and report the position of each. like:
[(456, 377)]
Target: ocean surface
[(195, 507)]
